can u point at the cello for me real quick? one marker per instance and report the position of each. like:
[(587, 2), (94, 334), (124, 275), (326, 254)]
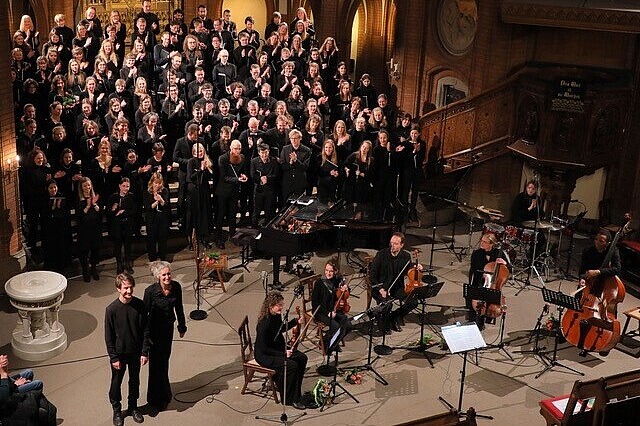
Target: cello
[(496, 275), (414, 276), (596, 327)]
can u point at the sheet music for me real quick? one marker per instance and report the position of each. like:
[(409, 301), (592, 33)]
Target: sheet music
[(463, 337)]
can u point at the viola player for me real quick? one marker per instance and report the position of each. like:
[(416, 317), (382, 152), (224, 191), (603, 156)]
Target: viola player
[(324, 298)]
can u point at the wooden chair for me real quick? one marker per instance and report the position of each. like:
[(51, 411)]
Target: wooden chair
[(314, 332), (250, 366)]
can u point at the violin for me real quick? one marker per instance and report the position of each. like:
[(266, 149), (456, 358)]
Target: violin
[(295, 330), (414, 276), (596, 328), (342, 304)]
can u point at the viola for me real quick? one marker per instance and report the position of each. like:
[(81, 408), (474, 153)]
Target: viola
[(295, 330), (342, 304), (596, 328), (414, 276), (497, 274)]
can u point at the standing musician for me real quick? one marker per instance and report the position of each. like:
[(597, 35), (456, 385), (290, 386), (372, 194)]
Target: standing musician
[(388, 269), (592, 258), (324, 298), (488, 252), (270, 349)]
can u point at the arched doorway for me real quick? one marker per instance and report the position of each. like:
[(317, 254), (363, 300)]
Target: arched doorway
[(240, 9)]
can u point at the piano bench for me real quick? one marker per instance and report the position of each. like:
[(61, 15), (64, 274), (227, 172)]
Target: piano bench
[(635, 314)]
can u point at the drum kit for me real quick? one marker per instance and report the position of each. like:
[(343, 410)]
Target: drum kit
[(517, 241)]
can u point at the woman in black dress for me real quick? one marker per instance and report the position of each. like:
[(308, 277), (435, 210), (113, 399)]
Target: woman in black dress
[(270, 349), (56, 235), (121, 208), (323, 301), (163, 301), (199, 190), (358, 177), (328, 173), (157, 214), (89, 219)]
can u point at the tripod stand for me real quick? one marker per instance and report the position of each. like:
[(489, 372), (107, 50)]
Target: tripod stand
[(197, 314), (562, 301), (536, 350), (421, 294), (462, 338), (369, 365), (335, 340)]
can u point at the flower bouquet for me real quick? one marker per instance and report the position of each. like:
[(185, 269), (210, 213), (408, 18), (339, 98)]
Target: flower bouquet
[(353, 376)]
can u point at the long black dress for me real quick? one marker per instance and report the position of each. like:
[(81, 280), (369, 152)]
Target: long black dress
[(269, 352), (163, 312), (199, 200)]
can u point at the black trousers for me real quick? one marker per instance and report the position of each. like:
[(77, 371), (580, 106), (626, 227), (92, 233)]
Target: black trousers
[(264, 200), (157, 234), (115, 395), (121, 235), (296, 365), (340, 321), (227, 207)]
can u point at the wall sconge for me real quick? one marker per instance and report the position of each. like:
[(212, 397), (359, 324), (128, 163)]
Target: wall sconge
[(11, 166), (392, 69)]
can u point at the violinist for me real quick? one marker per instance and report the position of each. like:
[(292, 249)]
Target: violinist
[(592, 258), (270, 349), (488, 252), (325, 299), (387, 272)]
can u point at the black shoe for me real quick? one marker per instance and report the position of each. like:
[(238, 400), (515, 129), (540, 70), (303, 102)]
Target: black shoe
[(94, 274), (395, 326), (298, 405), (86, 277), (117, 418), (136, 415)]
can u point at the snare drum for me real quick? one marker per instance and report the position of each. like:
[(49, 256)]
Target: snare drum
[(527, 236), (494, 228)]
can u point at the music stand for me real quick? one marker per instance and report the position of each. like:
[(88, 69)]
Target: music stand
[(561, 300), (462, 338), (421, 294), (335, 341), (490, 296), (369, 365)]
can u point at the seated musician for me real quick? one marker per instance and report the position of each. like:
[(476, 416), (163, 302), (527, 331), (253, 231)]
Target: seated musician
[(324, 299), (488, 252), (527, 204), (387, 273), (527, 207), (593, 257), (270, 350)]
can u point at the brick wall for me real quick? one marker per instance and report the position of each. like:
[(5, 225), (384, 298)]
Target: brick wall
[(9, 223)]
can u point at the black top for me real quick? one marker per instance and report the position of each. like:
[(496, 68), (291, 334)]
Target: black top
[(323, 297), (125, 329), (163, 309), (521, 212), (269, 339), (592, 259), (479, 258), (385, 268)]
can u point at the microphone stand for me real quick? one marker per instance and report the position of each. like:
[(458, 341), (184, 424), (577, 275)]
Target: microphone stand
[(197, 314)]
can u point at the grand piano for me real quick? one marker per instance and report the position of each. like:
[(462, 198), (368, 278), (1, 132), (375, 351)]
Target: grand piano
[(308, 225)]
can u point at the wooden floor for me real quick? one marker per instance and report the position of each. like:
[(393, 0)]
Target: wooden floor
[(206, 371)]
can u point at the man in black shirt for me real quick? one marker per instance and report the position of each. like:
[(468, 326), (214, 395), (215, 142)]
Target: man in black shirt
[(126, 337), (593, 258), (386, 275), (265, 171)]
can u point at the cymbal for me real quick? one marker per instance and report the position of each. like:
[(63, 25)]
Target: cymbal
[(473, 212), (542, 224)]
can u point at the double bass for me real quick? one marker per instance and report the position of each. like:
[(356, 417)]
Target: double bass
[(596, 327)]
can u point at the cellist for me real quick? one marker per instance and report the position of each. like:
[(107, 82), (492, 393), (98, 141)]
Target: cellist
[(592, 258), (486, 253), (326, 292)]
